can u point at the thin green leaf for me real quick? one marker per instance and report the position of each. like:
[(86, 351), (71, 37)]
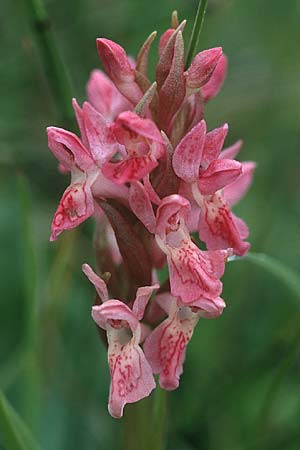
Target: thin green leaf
[(284, 273), (292, 281), (14, 432), (196, 31), (29, 271)]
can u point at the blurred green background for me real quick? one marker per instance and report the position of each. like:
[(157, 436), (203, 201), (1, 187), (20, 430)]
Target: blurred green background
[(240, 387)]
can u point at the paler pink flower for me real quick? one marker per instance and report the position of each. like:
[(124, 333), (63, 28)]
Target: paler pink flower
[(84, 159), (131, 374), (198, 161)]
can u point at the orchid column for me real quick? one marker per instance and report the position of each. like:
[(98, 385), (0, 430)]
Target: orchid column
[(156, 180)]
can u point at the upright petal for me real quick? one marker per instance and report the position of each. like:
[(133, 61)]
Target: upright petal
[(232, 151), (142, 298), (102, 142), (213, 144), (98, 283), (105, 97), (188, 153)]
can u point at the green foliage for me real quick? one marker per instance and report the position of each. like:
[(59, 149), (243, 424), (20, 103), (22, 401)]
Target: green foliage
[(240, 388)]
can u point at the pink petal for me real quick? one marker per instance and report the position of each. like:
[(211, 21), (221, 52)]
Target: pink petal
[(75, 206), (188, 153), (141, 300), (213, 144), (119, 69), (129, 121), (209, 308), (165, 347), (102, 142), (140, 204), (202, 67), (131, 377), (79, 117), (217, 227), (68, 149), (213, 86), (219, 173), (194, 273), (236, 190), (131, 169), (232, 151), (111, 311), (105, 97), (98, 283), (241, 226)]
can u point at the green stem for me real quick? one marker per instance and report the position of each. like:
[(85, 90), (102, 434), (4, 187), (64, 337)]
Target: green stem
[(196, 31), (54, 67), (144, 423)]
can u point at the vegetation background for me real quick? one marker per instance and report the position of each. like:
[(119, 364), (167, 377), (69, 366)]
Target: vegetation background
[(240, 388)]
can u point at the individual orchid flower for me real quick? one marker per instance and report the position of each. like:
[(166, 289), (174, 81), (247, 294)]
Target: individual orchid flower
[(131, 374), (105, 97), (165, 347), (143, 144), (193, 273), (83, 158), (198, 161)]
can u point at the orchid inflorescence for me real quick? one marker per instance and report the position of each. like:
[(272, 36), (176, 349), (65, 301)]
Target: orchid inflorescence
[(157, 182)]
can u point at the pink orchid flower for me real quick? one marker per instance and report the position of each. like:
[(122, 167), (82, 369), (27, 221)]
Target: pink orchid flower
[(198, 161), (193, 273), (143, 144), (83, 158), (165, 347), (131, 374)]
